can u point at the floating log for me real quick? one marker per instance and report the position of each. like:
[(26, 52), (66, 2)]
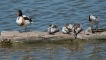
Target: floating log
[(16, 36)]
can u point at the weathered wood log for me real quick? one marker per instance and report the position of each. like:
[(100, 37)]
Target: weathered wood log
[(16, 36)]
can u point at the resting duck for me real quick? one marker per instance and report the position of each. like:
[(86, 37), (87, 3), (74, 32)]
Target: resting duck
[(69, 26), (56, 29), (50, 29), (77, 28), (23, 20), (53, 29), (65, 29), (93, 21)]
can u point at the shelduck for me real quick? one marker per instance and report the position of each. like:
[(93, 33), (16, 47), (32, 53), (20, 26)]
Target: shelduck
[(23, 20)]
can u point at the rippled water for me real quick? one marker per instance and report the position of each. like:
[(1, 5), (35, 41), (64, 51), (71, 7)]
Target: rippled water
[(44, 12), (95, 50), (58, 12)]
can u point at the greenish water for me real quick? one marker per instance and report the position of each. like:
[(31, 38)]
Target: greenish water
[(60, 50)]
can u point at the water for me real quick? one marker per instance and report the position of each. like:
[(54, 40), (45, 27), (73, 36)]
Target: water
[(58, 12), (45, 12), (80, 50)]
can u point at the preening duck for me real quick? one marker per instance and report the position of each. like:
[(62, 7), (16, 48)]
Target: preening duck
[(23, 20), (76, 29), (93, 20)]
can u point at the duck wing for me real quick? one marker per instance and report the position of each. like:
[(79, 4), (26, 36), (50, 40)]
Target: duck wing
[(27, 18)]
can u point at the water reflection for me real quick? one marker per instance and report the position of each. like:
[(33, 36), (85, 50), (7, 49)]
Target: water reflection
[(75, 50)]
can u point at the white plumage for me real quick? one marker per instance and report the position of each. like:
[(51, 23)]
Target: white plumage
[(70, 26), (65, 30), (77, 28), (53, 29), (23, 20), (26, 23), (93, 20), (50, 28)]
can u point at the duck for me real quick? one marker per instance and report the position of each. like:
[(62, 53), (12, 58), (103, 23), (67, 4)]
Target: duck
[(23, 20), (56, 29), (76, 29), (69, 26), (93, 20), (65, 29), (52, 29)]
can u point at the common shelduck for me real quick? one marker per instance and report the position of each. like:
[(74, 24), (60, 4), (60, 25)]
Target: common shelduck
[(69, 26), (52, 29), (65, 29), (23, 20), (77, 28), (93, 20)]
